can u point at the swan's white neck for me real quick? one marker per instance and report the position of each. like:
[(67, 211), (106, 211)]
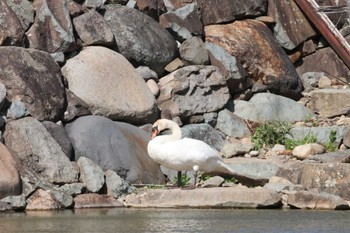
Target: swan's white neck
[(175, 135)]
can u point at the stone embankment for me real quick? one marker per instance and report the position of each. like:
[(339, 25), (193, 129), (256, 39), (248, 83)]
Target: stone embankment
[(81, 82)]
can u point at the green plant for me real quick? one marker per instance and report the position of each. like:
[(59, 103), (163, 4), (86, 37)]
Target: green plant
[(270, 133), (185, 179), (290, 144), (330, 145), (231, 180)]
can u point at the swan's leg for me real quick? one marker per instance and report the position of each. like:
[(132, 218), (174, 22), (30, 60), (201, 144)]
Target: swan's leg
[(179, 180), (195, 169)]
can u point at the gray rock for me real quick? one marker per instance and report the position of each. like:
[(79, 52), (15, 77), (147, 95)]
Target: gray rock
[(33, 77), (61, 137), (204, 132), (94, 200), (321, 133), (333, 157), (236, 77), (93, 30), (73, 189), (310, 80), (2, 94), (333, 178), (91, 174), (184, 22), (215, 181), (232, 125), (52, 30), (311, 200), (264, 107), (146, 73), (114, 89), (193, 52), (252, 171), (115, 146), (15, 202), (94, 3), (230, 150), (17, 110), (58, 57), (193, 90), (140, 38), (48, 200), (329, 102), (234, 197), (39, 151), (116, 186)]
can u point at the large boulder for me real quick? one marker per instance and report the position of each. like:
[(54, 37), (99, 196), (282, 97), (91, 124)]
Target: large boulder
[(36, 149), (140, 38), (10, 182), (110, 85), (255, 47), (193, 90), (263, 107), (115, 146), (52, 30), (33, 77), (333, 178), (223, 11)]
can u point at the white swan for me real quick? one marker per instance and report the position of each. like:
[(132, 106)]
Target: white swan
[(183, 154)]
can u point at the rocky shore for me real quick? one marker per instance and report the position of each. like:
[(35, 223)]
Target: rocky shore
[(81, 83)]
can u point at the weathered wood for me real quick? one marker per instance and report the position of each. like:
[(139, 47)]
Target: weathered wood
[(327, 29)]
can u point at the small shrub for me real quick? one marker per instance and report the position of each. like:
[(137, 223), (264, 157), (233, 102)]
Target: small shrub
[(290, 144), (270, 133), (330, 145), (185, 179)]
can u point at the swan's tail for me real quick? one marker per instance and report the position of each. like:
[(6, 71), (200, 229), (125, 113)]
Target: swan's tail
[(226, 168)]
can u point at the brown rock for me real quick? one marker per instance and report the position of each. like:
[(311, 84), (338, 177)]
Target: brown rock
[(346, 139), (255, 47), (318, 201), (223, 11), (333, 178), (292, 28), (10, 183), (24, 11), (52, 30), (48, 200), (11, 31), (238, 196), (323, 60), (76, 107), (152, 8), (33, 77), (93, 30), (172, 5), (307, 150), (93, 200), (329, 102)]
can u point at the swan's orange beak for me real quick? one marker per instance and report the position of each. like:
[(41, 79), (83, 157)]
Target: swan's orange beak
[(154, 133)]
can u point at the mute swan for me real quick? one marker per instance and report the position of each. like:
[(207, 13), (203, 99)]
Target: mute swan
[(183, 154)]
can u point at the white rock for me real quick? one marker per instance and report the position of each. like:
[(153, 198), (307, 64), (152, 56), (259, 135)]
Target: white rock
[(307, 150)]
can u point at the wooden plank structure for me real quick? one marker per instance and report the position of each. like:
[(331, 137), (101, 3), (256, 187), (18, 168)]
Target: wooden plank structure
[(326, 28)]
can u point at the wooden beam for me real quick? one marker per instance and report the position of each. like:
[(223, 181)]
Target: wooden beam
[(327, 29)]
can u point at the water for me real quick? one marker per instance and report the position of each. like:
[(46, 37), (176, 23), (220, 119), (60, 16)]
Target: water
[(176, 220)]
